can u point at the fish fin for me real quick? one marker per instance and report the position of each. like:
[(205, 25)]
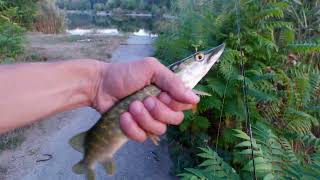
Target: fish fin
[(194, 108), (154, 138), (201, 93), (77, 141), (79, 168), (90, 175), (110, 167)]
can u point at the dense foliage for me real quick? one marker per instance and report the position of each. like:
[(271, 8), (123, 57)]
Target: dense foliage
[(280, 47), (18, 16), (11, 40), (13, 16), (154, 6)]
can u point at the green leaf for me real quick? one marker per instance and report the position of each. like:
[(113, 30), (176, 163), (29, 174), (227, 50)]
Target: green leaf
[(241, 134)]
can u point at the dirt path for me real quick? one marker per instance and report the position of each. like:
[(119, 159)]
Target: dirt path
[(43, 47), (134, 161)]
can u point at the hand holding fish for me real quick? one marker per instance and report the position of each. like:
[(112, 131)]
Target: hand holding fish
[(136, 99), (153, 113)]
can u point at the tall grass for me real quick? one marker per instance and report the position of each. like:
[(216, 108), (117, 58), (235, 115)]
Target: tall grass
[(50, 19), (12, 140)]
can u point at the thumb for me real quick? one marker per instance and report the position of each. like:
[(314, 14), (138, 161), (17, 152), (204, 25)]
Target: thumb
[(169, 82)]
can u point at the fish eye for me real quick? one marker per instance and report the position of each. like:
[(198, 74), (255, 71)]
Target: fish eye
[(199, 56)]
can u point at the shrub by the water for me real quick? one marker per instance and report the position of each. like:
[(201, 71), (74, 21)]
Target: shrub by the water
[(49, 19), (16, 16), (11, 40), (282, 81)]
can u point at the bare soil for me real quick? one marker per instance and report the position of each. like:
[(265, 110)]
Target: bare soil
[(44, 47)]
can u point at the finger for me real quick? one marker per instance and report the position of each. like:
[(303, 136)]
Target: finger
[(161, 112), (169, 82), (145, 120), (173, 104), (131, 128)]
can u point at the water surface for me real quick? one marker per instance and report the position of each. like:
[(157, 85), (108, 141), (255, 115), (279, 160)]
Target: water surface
[(86, 24)]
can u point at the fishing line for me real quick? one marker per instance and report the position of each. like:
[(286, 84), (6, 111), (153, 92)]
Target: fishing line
[(244, 87), (220, 120), (221, 112)]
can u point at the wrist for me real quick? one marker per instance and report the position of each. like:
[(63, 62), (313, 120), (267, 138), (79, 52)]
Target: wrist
[(89, 77), (98, 69), (99, 97)]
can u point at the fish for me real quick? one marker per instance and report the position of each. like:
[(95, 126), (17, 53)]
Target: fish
[(105, 138)]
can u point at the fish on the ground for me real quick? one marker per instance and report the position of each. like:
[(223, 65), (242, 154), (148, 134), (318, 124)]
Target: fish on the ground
[(103, 140)]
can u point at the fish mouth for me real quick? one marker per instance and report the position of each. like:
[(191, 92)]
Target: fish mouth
[(215, 53)]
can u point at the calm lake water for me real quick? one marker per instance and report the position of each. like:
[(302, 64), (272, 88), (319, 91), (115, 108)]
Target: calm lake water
[(84, 24)]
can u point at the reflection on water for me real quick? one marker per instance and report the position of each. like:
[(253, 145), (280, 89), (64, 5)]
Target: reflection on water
[(84, 24), (79, 31), (143, 32)]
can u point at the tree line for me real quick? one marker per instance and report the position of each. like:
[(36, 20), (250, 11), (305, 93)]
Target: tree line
[(136, 5)]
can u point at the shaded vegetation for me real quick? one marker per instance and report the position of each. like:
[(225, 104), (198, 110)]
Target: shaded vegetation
[(154, 6), (18, 16), (11, 140), (281, 59), (11, 41)]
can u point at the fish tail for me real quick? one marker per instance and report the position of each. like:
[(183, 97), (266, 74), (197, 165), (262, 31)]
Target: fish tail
[(90, 174), (79, 168), (82, 168)]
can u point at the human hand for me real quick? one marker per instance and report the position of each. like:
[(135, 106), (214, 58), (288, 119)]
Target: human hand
[(117, 81)]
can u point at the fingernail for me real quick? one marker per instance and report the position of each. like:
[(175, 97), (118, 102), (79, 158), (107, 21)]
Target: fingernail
[(165, 98), (136, 108), (149, 103), (192, 96)]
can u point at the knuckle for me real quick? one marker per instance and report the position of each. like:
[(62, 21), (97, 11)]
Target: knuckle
[(150, 61), (135, 108)]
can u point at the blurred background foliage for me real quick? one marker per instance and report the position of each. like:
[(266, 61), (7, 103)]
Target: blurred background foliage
[(279, 43), (19, 16), (117, 6)]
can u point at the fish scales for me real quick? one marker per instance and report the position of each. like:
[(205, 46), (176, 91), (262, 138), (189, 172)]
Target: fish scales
[(102, 141), (98, 137)]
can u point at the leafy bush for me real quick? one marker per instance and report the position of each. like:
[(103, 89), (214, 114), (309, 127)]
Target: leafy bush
[(14, 15), (125, 5), (282, 89), (74, 5), (99, 7), (11, 40), (25, 11)]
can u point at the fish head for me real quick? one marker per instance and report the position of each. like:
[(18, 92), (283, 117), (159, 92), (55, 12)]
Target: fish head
[(193, 68)]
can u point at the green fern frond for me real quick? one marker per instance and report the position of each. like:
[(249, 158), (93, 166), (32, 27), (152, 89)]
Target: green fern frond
[(286, 36), (261, 96), (278, 25), (304, 47), (213, 167), (216, 85), (210, 102), (271, 13), (227, 64), (310, 140)]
